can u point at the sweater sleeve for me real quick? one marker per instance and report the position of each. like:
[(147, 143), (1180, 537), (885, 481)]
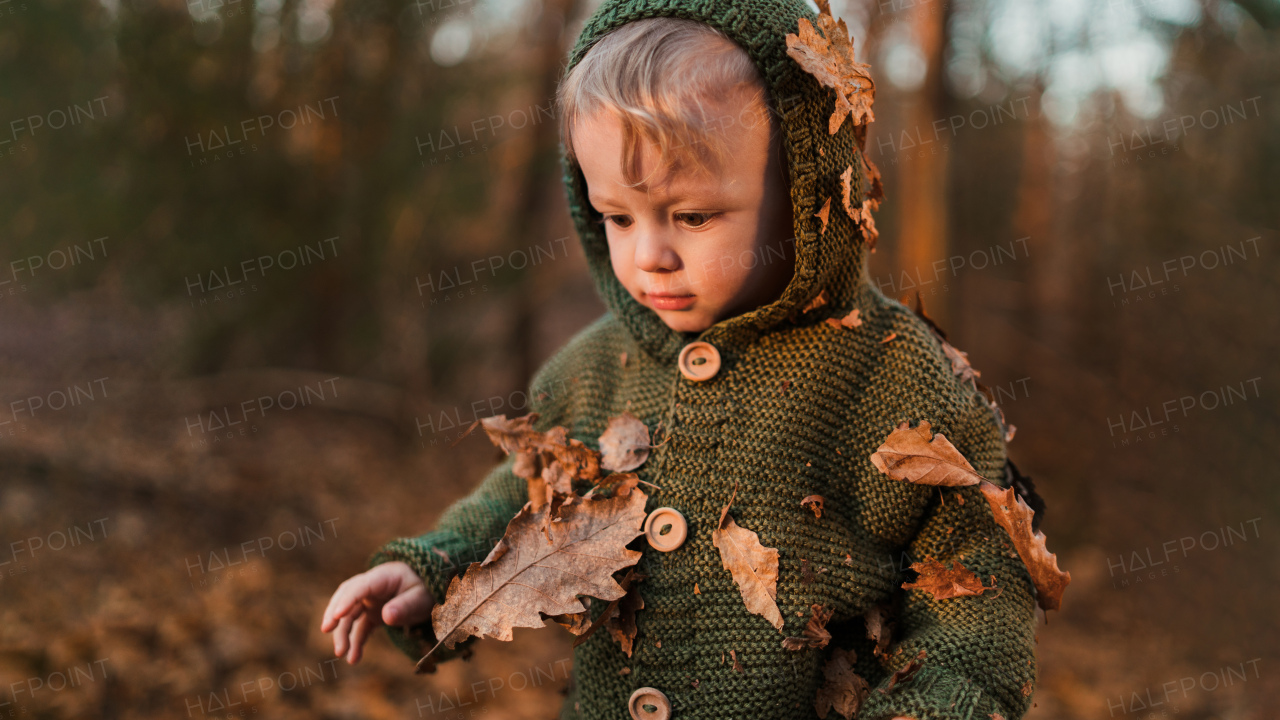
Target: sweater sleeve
[(979, 650), (469, 528), (466, 532)]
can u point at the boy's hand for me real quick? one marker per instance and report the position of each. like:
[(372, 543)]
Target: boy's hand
[(390, 593)]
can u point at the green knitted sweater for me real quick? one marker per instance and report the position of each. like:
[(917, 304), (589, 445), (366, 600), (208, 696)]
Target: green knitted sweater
[(796, 409)]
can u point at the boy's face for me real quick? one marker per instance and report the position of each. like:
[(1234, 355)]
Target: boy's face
[(700, 245)]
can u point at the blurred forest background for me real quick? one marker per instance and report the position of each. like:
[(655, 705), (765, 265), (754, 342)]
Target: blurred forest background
[(346, 216)]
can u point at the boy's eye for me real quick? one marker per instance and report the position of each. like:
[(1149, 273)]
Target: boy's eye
[(695, 219), (621, 221)]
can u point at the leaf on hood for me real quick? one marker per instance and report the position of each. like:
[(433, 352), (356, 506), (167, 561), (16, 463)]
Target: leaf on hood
[(753, 566), (843, 690), (879, 628), (624, 446), (918, 456), (815, 631), (814, 503), (945, 583), (861, 214), (905, 674), (515, 589), (829, 58), (816, 302), (848, 321), (824, 214), (1016, 517)]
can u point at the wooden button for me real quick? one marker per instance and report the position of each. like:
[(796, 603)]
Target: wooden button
[(699, 361), (645, 698), (666, 529)]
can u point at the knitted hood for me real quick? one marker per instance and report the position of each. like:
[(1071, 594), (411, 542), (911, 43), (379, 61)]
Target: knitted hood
[(830, 260)]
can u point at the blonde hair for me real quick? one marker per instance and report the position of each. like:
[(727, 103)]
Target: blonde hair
[(654, 74)]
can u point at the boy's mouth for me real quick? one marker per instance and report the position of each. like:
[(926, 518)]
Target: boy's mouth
[(670, 301)]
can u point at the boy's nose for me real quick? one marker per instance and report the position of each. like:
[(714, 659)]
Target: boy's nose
[(655, 254)]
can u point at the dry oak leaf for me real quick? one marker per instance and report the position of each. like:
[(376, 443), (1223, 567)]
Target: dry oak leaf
[(609, 612), (1015, 516), (819, 300), (945, 583), (905, 674), (843, 690), (824, 214), (861, 214), (815, 631), (620, 619), (753, 566), (848, 321), (918, 456), (530, 578), (829, 58), (548, 461), (814, 503), (879, 628), (624, 445)]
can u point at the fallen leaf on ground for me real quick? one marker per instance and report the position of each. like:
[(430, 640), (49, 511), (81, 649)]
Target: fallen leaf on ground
[(753, 566), (815, 631), (814, 503), (945, 583), (905, 674), (829, 58), (1016, 517), (513, 590), (918, 456), (843, 690), (624, 445)]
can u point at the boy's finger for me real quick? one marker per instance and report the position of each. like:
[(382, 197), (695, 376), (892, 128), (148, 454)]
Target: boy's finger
[(408, 608), (359, 633), (349, 595), (340, 637)]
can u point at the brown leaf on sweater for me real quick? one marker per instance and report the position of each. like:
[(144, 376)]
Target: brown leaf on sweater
[(889, 337), (1026, 689), (821, 298), (905, 674), (824, 214), (516, 589), (814, 503), (736, 665), (724, 512), (696, 591), (843, 690), (621, 618), (917, 455), (815, 631), (623, 358), (846, 195), (610, 611), (1015, 516), (879, 628), (624, 445), (753, 566), (829, 57), (943, 582), (848, 321), (549, 461), (806, 572), (617, 484), (576, 623)]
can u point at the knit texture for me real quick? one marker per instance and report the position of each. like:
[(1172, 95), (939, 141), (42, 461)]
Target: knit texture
[(796, 409)]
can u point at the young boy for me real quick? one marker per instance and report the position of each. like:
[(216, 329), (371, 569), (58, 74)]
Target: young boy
[(698, 159)]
